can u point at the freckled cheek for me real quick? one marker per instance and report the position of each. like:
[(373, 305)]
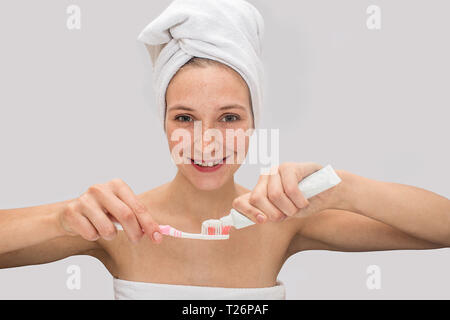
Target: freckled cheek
[(180, 144)]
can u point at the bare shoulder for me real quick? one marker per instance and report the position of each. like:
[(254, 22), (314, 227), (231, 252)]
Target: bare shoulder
[(155, 197)]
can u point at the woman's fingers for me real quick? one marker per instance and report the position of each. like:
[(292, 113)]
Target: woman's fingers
[(259, 199), (93, 214), (92, 210), (107, 198), (77, 224), (277, 195), (243, 205), (290, 177), (141, 212)]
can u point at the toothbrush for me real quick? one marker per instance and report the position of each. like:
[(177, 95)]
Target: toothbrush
[(214, 231), (218, 229)]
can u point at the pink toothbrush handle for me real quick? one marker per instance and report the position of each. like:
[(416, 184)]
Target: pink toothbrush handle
[(170, 231), (165, 229)]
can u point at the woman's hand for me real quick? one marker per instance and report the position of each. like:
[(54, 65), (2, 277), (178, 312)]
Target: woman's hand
[(277, 196), (92, 214)]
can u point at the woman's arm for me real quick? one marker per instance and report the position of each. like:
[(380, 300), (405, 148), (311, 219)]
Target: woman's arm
[(24, 227), (414, 211), (34, 235), (54, 231), (358, 214), (340, 230), (372, 215)]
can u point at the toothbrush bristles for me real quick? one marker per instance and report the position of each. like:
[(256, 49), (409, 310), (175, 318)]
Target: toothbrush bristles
[(214, 227)]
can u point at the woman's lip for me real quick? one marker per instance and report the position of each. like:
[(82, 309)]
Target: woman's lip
[(220, 161), (208, 169)]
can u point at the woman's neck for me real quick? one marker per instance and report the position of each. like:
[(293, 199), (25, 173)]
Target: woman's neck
[(200, 204)]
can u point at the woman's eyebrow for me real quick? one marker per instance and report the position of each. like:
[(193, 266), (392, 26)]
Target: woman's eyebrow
[(232, 106), (179, 107)]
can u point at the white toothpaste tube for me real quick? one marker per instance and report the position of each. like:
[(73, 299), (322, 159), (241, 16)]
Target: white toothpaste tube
[(313, 184)]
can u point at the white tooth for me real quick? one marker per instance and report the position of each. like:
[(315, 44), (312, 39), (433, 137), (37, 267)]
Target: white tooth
[(210, 164)]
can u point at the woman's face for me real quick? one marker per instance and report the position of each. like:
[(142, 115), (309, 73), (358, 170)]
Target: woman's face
[(219, 98)]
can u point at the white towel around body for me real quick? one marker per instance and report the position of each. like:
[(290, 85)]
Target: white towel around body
[(134, 290)]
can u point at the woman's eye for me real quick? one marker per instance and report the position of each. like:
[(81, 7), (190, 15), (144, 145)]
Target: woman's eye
[(183, 118), (230, 118)]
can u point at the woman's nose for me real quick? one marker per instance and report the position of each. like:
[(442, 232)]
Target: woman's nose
[(207, 140)]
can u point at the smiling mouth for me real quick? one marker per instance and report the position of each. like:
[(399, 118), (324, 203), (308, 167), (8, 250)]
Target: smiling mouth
[(209, 164)]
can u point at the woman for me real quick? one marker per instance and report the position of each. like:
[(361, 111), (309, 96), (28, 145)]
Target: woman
[(222, 90)]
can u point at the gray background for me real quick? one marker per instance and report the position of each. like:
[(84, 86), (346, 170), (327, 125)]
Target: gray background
[(76, 108)]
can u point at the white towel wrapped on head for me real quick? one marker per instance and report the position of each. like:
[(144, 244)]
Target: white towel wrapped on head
[(228, 31)]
